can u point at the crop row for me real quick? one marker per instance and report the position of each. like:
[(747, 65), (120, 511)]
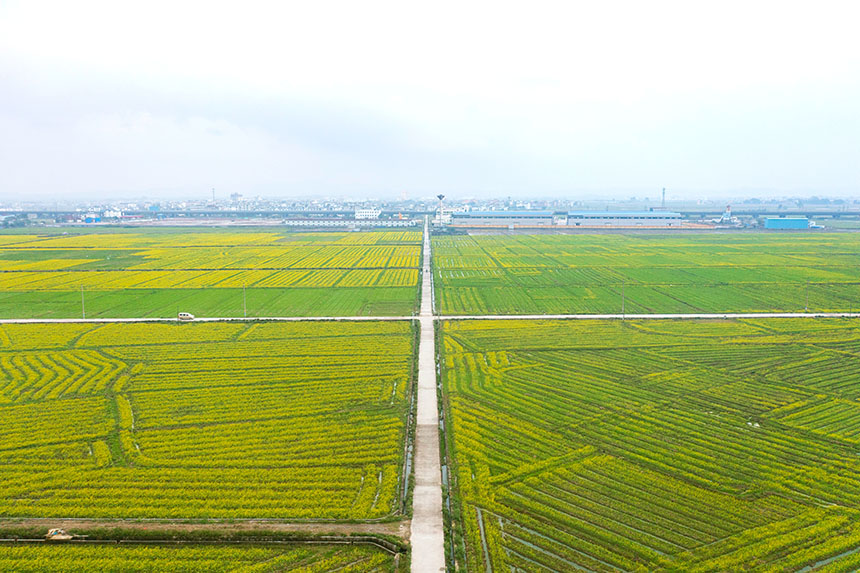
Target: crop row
[(221, 238), (322, 492), (361, 440), (34, 376), (459, 272), (833, 417), (53, 421), (236, 403), (489, 298), (277, 257), (193, 558), (111, 280)]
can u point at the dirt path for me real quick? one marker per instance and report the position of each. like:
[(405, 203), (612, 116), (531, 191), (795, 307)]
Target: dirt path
[(395, 528)]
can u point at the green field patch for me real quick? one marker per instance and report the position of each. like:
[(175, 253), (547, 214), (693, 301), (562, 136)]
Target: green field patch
[(665, 273), (712, 445), (155, 273), (154, 420), (210, 302)]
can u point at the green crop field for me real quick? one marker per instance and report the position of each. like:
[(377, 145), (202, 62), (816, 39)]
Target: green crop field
[(293, 421), (188, 558), (677, 273), (153, 273), (653, 445)]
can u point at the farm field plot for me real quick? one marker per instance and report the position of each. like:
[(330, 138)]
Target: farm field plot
[(677, 273), (156, 273), (653, 445), (288, 421), (188, 558)]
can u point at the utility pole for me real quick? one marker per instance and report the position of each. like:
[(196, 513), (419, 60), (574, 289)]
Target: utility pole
[(83, 310), (244, 303), (806, 308)]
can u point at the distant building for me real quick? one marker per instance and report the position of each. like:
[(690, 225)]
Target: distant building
[(443, 216), (350, 223), (786, 223), (624, 219), (502, 219), (367, 213)]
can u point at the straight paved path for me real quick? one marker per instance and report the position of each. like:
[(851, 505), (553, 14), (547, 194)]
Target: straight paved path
[(428, 533), (428, 315), (202, 319), (649, 316)]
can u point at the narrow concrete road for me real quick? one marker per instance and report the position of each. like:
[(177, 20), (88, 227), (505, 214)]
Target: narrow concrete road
[(428, 314), (650, 316), (203, 319), (428, 533)]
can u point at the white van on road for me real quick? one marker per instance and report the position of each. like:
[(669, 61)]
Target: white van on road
[(185, 316)]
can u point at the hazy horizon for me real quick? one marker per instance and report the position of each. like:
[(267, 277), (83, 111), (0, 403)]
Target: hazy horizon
[(573, 100)]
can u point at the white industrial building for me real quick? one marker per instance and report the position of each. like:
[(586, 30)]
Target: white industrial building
[(502, 219), (367, 213), (443, 216), (624, 219)]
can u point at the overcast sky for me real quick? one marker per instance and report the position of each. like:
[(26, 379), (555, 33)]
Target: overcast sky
[(376, 99)]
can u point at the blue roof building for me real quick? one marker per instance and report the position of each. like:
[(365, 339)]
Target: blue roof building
[(786, 223)]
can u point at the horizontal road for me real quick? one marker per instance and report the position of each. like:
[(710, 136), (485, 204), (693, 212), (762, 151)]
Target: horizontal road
[(205, 319), (715, 315), (648, 316), (205, 269)]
